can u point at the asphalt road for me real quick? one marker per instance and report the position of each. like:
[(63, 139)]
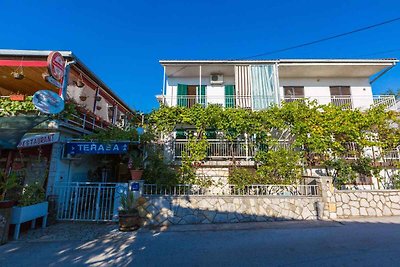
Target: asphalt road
[(371, 242)]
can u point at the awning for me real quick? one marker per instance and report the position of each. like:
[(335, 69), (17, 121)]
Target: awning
[(12, 129)]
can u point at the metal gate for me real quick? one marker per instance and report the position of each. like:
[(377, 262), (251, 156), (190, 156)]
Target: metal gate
[(88, 201)]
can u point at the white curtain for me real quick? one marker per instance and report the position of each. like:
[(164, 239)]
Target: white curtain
[(243, 86), (256, 86), (264, 88)]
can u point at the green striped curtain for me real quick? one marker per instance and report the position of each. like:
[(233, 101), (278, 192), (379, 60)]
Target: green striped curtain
[(201, 95), (182, 100), (229, 96)]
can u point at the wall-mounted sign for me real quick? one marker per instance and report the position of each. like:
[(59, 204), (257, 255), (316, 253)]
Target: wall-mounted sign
[(53, 81), (48, 102), (74, 148), (56, 65), (38, 140), (135, 186)]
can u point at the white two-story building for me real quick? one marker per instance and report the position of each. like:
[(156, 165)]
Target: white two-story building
[(258, 84)]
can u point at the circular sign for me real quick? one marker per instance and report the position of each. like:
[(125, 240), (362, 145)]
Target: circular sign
[(56, 65), (48, 102)]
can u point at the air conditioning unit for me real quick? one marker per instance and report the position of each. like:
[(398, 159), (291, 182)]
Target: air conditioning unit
[(216, 79)]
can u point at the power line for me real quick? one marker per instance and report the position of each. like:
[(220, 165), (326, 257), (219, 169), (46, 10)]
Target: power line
[(381, 52), (323, 39)]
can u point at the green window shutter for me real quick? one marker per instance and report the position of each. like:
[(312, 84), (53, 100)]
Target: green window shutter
[(211, 134), (182, 100), (180, 134), (201, 98), (229, 96)]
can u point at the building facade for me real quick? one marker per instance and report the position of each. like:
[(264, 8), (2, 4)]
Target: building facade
[(33, 145), (259, 84)]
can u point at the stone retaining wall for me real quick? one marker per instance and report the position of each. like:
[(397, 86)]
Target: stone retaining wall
[(355, 203), (163, 210)]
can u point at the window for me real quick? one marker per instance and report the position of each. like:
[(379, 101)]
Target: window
[(340, 90), (341, 96), (293, 92)]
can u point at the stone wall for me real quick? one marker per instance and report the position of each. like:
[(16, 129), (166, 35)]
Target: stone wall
[(163, 210), (355, 203)]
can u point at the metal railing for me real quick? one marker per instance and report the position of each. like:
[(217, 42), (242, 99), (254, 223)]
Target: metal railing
[(231, 190), (83, 201), (240, 149), (87, 122), (250, 102)]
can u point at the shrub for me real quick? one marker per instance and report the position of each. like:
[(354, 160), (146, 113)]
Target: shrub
[(32, 194), (279, 166), (241, 177)]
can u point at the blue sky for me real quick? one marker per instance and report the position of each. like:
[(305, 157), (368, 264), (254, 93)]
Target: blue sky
[(123, 41)]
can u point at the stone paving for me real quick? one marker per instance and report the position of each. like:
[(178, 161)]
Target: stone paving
[(69, 231)]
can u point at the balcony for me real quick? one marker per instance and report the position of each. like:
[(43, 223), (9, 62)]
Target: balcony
[(220, 149), (256, 103)]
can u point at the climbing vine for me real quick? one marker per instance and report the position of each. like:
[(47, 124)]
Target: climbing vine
[(315, 134)]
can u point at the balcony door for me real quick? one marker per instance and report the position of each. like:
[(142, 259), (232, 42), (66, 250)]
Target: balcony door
[(191, 95), (341, 96)]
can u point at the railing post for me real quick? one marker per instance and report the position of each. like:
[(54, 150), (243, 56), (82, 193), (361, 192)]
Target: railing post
[(84, 121), (75, 202), (97, 212), (247, 146)]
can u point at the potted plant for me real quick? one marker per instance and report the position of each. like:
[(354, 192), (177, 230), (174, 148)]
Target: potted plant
[(129, 219), (32, 205), (135, 164), (7, 183)]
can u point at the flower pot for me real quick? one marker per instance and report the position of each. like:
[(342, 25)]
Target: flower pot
[(136, 174), (80, 84), (98, 107), (28, 213), (98, 98), (17, 97), (129, 222), (18, 76), (83, 98)]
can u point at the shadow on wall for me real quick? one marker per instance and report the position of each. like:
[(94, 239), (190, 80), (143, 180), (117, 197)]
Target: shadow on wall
[(165, 210)]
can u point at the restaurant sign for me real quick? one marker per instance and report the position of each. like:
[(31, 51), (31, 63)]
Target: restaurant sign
[(56, 65), (74, 148), (38, 140)]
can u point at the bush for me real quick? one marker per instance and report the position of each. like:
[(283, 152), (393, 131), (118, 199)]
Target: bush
[(156, 171), (31, 195), (279, 166), (241, 177)]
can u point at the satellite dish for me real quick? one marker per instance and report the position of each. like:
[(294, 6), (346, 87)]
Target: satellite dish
[(48, 102)]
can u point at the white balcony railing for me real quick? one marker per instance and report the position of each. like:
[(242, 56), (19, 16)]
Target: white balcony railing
[(220, 149), (250, 102)]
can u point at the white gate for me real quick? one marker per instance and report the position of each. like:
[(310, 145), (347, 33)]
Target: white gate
[(88, 201)]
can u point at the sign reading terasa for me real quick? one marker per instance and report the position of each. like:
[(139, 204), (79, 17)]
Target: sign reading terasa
[(74, 148)]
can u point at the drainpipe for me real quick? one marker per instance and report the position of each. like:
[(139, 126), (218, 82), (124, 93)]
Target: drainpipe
[(63, 93)]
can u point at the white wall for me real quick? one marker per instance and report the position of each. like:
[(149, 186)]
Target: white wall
[(215, 93), (314, 88), (360, 89)]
